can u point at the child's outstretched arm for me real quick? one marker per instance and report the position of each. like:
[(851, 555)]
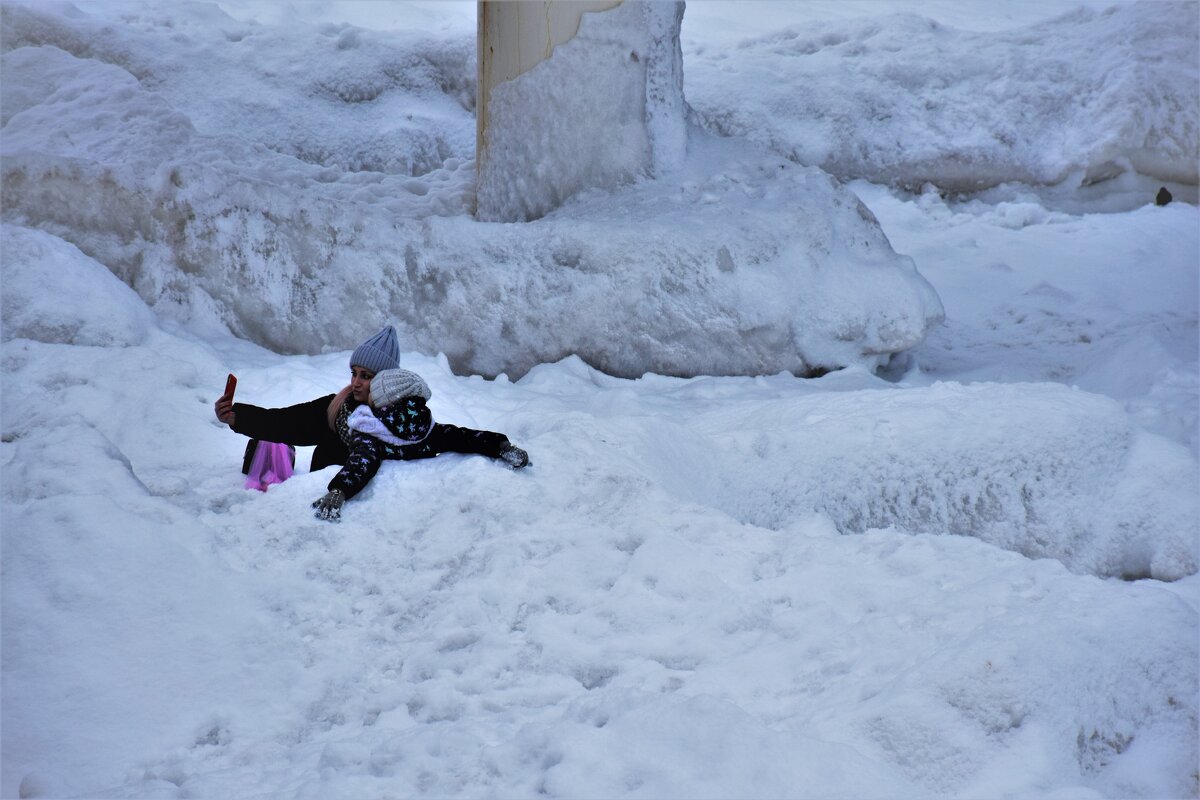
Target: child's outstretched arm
[(366, 454)]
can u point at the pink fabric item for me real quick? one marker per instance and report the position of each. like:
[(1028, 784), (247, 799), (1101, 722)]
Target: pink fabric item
[(272, 463)]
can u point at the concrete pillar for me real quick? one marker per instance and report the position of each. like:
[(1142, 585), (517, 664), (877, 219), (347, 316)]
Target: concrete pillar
[(514, 36)]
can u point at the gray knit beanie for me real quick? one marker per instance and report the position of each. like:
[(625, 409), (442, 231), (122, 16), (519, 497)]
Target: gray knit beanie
[(393, 385), (378, 353)]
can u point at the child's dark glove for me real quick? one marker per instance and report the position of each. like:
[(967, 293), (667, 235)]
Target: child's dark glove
[(329, 507)]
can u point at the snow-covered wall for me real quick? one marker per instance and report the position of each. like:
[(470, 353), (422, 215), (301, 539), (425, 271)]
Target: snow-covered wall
[(732, 262), (605, 108), (906, 100)]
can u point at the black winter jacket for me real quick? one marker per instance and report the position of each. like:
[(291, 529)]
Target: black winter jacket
[(301, 425)]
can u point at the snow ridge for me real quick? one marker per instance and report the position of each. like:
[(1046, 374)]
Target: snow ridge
[(904, 100)]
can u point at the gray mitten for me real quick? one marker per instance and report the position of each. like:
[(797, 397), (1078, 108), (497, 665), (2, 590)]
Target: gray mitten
[(329, 507), (514, 456)]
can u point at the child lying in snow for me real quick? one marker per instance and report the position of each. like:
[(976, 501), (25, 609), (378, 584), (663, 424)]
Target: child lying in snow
[(397, 424)]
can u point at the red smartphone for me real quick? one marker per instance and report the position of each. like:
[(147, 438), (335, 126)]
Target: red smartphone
[(230, 386)]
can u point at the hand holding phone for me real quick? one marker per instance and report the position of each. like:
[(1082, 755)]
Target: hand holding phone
[(223, 408)]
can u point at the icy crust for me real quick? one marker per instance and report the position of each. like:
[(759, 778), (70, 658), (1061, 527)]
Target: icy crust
[(905, 100), (544, 140), (652, 277)]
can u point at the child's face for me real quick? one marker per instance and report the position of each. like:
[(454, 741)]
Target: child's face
[(360, 383)]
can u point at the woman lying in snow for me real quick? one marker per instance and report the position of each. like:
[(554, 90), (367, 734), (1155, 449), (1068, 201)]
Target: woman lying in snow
[(397, 424), (324, 422)]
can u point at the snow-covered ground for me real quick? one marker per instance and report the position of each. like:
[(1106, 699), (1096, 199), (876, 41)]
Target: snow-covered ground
[(973, 575)]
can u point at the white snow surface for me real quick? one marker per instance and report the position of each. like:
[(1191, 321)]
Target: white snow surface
[(908, 100), (971, 574), (250, 223)]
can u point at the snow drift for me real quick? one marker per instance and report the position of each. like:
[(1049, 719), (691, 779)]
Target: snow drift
[(800, 279), (469, 630), (1039, 469), (905, 100)]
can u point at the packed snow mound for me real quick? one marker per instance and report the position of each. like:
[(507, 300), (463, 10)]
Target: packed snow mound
[(1040, 469), (403, 100), (905, 100), (54, 293), (200, 225), (654, 278)]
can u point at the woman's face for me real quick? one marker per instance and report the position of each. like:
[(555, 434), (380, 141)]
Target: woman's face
[(360, 383)]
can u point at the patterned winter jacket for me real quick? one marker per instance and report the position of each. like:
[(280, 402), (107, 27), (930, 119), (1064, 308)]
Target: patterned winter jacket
[(407, 423)]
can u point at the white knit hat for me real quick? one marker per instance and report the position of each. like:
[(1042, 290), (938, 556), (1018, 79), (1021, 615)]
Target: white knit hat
[(393, 385)]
